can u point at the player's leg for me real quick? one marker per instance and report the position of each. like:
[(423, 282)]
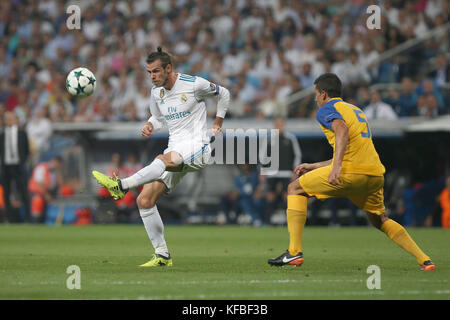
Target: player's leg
[(397, 233), (373, 204), (296, 219), (153, 224), (171, 161), (185, 159)]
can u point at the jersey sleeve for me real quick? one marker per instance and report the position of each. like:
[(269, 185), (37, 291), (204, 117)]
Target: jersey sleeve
[(327, 114), (157, 119), (205, 89)]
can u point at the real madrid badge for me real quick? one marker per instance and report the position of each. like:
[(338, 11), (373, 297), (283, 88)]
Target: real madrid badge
[(183, 98), (161, 93)]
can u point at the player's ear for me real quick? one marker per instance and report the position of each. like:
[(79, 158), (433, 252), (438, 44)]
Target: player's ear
[(169, 68)]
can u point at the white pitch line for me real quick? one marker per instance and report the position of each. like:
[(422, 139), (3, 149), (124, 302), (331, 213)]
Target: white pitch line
[(189, 283)]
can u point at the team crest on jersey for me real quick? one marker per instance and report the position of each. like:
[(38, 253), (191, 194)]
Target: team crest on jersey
[(183, 98), (161, 93)]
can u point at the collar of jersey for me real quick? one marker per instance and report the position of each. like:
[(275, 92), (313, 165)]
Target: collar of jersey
[(332, 101)]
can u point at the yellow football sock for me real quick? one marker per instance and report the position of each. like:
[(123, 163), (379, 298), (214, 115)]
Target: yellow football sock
[(400, 236), (296, 219)]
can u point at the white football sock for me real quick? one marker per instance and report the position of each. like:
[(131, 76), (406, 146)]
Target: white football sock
[(155, 229), (147, 174)]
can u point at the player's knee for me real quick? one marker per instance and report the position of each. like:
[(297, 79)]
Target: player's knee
[(171, 159), (294, 188), (163, 158), (377, 220), (145, 202)]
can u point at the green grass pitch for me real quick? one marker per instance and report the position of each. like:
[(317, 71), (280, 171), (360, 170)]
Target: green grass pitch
[(216, 263)]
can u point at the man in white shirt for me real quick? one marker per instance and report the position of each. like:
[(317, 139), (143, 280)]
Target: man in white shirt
[(379, 110), (177, 101), (40, 130)]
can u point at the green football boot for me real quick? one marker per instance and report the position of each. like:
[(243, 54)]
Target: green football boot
[(111, 184), (158, 260)]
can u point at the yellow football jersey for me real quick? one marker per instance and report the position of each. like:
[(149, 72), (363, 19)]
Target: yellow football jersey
[(360, 156)]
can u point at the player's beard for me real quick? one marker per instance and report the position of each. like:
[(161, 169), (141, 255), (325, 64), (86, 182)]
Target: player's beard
[(165, 80)]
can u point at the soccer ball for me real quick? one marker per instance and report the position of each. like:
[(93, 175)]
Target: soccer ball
[(80, 82)]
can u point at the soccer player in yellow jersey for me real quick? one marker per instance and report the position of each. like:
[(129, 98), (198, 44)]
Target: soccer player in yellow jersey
[(355, 172)]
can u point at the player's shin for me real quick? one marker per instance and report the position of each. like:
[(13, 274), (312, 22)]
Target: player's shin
[(296, 219), (155, 229), (400, 236), (147, 174)]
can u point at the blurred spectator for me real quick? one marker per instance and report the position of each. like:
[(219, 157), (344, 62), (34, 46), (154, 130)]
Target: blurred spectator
[(39, 130), (368, 55), (379, 110), (406, 103), (442, 73), (236, 108), (14, 151), (444, 199), (247, 198), (133, 165), (141, 102), (43, 186), (121, 170), (233, 61), (290, 157), (363, 97), (427, 106), (356, 73), (340, 66), (306, 77), (427, 88), (270, 106)]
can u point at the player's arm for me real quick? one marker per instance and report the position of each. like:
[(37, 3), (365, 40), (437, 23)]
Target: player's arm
[(306, 167), (205, 89), (340, 130), (222, 106), (330, 118), (155, 122)]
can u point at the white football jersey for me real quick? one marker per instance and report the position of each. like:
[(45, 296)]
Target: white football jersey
[(183, 108)]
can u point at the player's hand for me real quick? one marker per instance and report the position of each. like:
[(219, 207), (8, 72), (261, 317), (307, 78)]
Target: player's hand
[(147, 130), (334, 177), (216, 130), (303, 168)]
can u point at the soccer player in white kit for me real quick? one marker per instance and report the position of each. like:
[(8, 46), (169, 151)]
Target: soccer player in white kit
[(176, 100)]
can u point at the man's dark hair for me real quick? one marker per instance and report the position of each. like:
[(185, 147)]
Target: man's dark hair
[(160, 55), (330, 83)]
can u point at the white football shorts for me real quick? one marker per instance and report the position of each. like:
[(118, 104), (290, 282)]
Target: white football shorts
[(195, 156)]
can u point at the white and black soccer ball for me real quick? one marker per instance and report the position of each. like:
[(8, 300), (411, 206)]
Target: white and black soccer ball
[(80, 82)]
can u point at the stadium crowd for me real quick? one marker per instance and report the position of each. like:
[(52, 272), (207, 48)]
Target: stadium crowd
[(263, 50)]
